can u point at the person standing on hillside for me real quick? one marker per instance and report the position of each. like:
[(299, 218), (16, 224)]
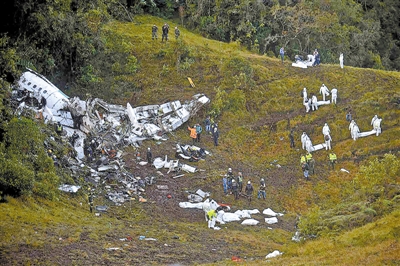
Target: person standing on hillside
[(149, 156), (324, 91), (177, 33), (165, 30), (215, 134), (332, 159), (207, 123), (334, 95), (193, 133), (225, 184), (154, 30), (249, 191), (199, 129), (235, 189), (261, 190), (341, 60), (282, 53), (240, 181), (291, 137)]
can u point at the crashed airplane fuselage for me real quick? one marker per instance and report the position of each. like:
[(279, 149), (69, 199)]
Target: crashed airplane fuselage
[(132, 124)]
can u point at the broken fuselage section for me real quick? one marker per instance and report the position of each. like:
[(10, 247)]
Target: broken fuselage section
[(129, 125)]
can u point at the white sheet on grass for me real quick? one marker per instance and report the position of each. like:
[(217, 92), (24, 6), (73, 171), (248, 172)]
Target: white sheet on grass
[(250, 222), (270, 212), (272, 220)]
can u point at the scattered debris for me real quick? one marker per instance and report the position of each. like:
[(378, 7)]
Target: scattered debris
[(271, 212), (273, 254), (69, 188), (250, 222), (344, 170), (272, 220)]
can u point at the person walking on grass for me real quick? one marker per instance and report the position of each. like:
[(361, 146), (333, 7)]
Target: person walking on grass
[(282, 53), (154, 30)]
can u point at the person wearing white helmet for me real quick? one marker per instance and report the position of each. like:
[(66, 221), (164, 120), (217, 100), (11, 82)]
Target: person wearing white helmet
[(249, 191), (326, 130), (235, 189), (261, 190), (324, 91)]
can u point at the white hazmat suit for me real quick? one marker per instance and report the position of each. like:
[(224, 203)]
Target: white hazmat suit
[(314, 103), (355, 131), (309, 146), (373, 119), (326, 130), (306, 103), (304, 94), (303, 139), (328, 140), (324, 91), (334, 95)]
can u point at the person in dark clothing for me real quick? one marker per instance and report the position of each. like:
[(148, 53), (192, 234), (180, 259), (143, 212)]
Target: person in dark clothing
[(177, 33), (230, 177), (207, 123), (165, 30), (235, 189), (249, 191), (199, 129), (149, 156), (261, 190), (74, 137), (215, 135), (348, 117), (291, 137), (154, 30), (59, 128)]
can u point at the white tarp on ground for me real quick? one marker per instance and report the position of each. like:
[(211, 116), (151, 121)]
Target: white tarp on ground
[(319, 147), (270, 212), (230, 217), (243, 214), (272, 220), (273, 254), (250, 222)]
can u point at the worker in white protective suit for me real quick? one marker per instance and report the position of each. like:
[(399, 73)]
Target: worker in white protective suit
[(334, 95), (303, 139), (304, 93), (314, 102), (328, 140), (324, 91), (376, 123), (355, 131), (351, 127), (326, 130), (307, 103), (341, 60), (373, 119)]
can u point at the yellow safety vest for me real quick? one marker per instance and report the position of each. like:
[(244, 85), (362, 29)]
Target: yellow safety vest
[(302, 159), (309, 157), (332, 157)]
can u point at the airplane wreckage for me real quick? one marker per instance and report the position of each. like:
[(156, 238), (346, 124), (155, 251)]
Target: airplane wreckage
[(103, 129)]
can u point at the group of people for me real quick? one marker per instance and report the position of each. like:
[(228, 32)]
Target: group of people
[(234, 185), (211, 128), (165, 31), (311, 103)]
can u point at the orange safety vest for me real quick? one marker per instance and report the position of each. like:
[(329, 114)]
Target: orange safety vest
[(193, 133)]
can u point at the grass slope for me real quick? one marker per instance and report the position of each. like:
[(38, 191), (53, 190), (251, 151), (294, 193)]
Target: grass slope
[(256, 101)]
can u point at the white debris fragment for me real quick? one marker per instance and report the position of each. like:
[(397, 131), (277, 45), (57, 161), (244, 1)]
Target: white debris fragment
[(189, 205), (250, 222), (270, 212), (202, 194), (344, 170), (69, 188), (273, 254), (272, 220)]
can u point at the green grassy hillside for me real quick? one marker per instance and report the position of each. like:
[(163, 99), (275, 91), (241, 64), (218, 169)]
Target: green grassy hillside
[(256, 101)]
